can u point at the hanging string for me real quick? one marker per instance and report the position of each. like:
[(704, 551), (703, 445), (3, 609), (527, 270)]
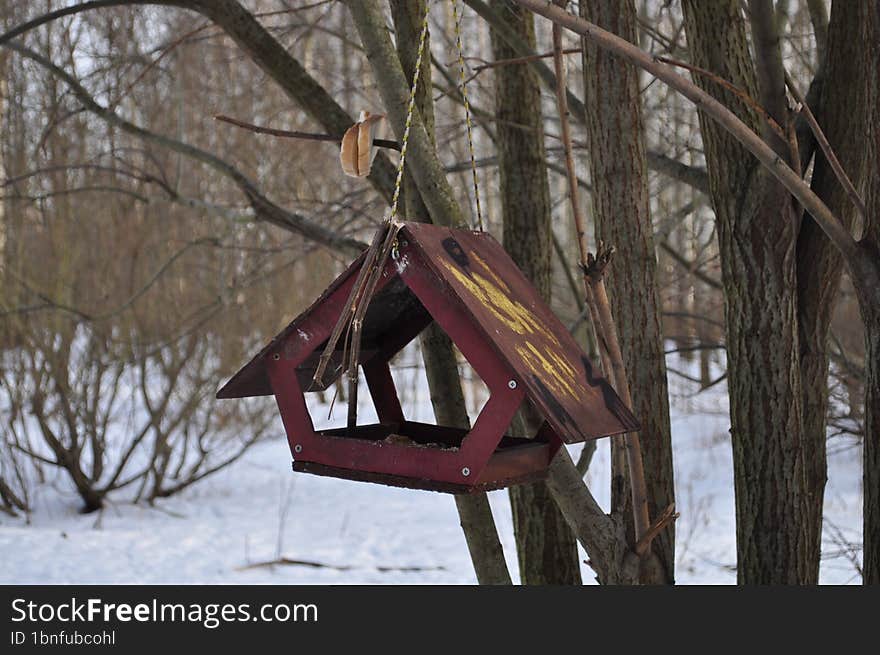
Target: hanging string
[(383, 246), (467, 110), (413, 92)]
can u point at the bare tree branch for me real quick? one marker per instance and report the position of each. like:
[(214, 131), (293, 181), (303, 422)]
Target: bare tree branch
[(255, 41), (692, 176), (822, 140), (264, 208), (689, 266), (293, 134), (854, 256)]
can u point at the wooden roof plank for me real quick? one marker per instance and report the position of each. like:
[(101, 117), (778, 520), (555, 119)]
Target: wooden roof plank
[(559, 378)]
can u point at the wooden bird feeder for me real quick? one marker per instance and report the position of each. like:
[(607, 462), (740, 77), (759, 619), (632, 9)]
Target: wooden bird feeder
[(465, 282)]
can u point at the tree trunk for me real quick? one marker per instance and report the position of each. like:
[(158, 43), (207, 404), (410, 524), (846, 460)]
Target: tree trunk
[(620, 198), (871, 475), (757, 232), (546, 546), (842, 112), (868, 289), (441, 369)]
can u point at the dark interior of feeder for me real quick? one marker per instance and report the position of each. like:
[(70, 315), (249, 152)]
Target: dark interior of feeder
[(423, 435), (394, 318)]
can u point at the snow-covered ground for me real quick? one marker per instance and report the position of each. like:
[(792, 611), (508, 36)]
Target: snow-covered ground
[(257, 511)]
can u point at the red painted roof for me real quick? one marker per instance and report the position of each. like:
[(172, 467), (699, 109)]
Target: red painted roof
[(509, 312)]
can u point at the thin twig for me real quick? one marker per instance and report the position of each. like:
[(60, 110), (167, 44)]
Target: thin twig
[(522, 60), (690, 266), (597, 301), (668, 516), (745, 97), (293, 134), (188, 35), (827, 150)]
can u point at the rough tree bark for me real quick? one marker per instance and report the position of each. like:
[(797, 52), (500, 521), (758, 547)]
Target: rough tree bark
[(757, 232), (622, 212), (869, 297), (871, 476), (546, 546), (842, 111)]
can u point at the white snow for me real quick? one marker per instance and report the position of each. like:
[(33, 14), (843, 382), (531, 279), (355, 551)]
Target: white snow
[(258, 510)]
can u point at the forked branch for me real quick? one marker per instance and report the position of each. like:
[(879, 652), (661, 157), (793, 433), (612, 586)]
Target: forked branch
[(593, 266)]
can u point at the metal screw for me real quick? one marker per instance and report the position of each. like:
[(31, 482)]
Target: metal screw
[(297, 448), (465, 471), (276, 357), (512, 384)]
